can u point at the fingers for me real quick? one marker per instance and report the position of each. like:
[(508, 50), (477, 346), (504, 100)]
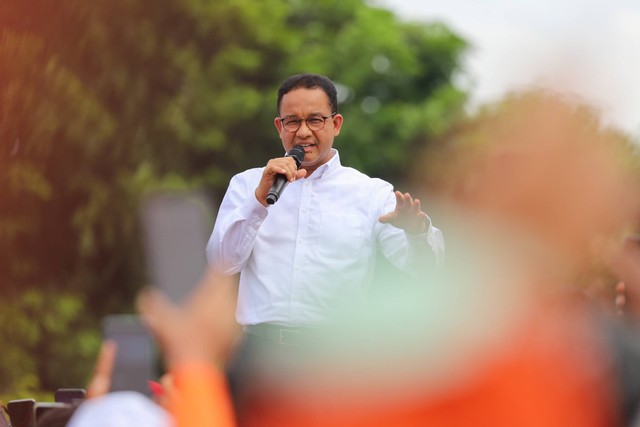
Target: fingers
[(203, 328), (406, 203), (154, 308), (407, 215), (387, 218), (100, 382), (282, 166), (301, 173)]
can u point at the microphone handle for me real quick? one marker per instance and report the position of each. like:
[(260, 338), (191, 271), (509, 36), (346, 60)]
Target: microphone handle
[(297, 153), (276, 189)]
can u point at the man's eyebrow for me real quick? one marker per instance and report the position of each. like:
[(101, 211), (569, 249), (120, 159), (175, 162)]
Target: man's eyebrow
[(293, 116)]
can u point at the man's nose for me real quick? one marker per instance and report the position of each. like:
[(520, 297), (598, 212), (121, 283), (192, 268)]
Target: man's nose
[(304, 128)]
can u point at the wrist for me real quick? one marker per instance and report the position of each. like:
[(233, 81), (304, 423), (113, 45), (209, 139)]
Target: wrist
[(260, 198), (424, 226)]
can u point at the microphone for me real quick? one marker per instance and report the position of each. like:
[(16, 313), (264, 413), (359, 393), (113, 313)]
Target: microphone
[(297, 153)]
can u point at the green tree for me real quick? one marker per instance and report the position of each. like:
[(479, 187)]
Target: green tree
[(101, 101), (396, 79)]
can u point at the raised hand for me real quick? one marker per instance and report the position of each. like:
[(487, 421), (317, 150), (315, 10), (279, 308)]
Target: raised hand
[(201, 330), (407, 215)]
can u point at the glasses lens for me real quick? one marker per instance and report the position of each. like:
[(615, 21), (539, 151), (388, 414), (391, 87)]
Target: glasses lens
[(291, 125), (315, 123)]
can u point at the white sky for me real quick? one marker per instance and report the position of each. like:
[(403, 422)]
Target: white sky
[(587, 48)]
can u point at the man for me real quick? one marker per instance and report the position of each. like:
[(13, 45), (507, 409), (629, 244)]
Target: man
[(312, 254)]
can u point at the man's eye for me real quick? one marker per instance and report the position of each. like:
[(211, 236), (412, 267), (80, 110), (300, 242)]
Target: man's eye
[(314, 121), (291, 122)]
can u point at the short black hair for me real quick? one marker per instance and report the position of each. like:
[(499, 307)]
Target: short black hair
[(309, 81)]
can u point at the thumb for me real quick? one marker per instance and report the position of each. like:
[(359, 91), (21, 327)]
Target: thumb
[(301, 173), (387, 218)]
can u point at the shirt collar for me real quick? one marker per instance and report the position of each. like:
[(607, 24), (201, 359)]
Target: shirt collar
[(332, 164)]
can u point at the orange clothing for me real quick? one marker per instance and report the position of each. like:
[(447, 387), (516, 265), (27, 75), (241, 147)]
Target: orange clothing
[(201, 397), (553, 372)]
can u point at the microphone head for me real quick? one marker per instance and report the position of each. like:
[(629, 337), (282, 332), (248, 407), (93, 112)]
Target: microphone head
[(297, 153)]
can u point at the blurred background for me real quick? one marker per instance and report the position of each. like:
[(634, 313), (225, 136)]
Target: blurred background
[(104, 101), (583, 47)]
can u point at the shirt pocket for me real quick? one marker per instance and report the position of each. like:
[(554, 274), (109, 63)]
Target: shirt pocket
[(340, 235)]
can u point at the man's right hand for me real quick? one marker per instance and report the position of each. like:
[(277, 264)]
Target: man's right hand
[(279, 166)]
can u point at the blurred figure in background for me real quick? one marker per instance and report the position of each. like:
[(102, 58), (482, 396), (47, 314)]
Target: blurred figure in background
[(627, 267), (624, 334)]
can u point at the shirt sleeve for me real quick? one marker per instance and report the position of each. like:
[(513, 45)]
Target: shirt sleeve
[(237, 224), (429, 244), (201, 397)]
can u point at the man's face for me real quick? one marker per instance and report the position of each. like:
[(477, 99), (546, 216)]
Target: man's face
[(304, 104)]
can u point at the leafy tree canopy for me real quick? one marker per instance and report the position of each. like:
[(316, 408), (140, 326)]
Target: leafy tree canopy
[(101, 101)]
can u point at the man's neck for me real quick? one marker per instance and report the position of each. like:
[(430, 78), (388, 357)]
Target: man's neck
[(311, 169)]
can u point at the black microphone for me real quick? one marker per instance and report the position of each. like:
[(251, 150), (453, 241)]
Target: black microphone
[(297, 153)]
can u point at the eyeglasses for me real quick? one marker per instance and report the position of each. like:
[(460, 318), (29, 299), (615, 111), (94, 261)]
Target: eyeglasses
[(313, 123)]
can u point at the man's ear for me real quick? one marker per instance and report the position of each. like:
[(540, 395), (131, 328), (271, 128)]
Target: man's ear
[(278, 124), (337, 124)]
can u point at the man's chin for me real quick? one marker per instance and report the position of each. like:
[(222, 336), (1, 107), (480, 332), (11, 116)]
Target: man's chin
[(309, 161)]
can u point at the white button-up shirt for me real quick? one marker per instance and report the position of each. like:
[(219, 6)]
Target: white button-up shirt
[(313, 252)]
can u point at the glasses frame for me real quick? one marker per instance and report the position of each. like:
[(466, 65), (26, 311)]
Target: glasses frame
[(299, 121)]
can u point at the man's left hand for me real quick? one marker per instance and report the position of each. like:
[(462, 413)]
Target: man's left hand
[(407, 216)]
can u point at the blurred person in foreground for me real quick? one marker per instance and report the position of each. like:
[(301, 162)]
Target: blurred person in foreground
[(104, 408), (501, 339), (534, 193), (503, 336), (312, 253), (195, 339)]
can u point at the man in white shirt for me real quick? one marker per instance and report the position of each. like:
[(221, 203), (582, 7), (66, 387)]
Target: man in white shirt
[(312, 253)]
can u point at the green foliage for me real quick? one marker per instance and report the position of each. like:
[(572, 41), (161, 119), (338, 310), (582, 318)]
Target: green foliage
[(53, 327), (102, 101), (395, 79)]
